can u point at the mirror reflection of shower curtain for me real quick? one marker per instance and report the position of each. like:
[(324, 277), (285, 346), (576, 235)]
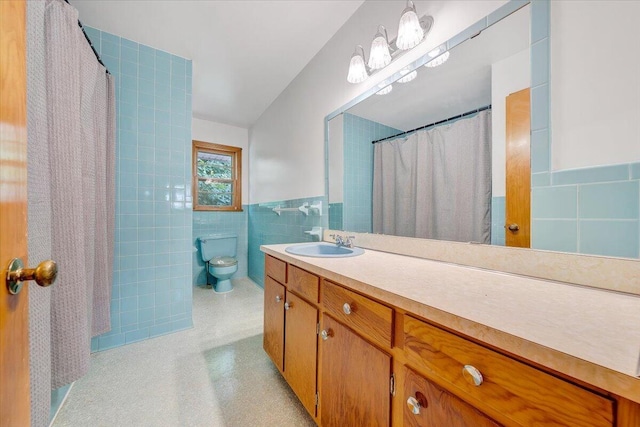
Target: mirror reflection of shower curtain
[(436, 183)]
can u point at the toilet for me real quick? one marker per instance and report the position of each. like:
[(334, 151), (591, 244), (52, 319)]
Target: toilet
[(218, 252)]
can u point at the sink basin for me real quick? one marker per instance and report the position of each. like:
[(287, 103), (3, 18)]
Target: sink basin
[(323, 250)]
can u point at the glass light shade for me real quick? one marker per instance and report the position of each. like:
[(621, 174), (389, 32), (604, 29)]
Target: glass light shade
[(380, 56), (408, 77), (410, 33), (385, 90), (438, 61), (357, 68)]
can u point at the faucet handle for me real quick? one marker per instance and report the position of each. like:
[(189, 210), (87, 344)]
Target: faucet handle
[(349, 241)]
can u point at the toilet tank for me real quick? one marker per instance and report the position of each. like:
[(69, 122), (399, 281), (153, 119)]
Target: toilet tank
[(217, 245)]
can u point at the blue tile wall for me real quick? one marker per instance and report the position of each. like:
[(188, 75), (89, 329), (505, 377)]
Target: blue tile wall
[(592, 210), (267, 228), (152, 289), (220, 222), (602, 204), (335, 216), (498, 220), (358, 170)]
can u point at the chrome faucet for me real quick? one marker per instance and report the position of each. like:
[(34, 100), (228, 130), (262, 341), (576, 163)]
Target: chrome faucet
[(341, 241), (338, 238)]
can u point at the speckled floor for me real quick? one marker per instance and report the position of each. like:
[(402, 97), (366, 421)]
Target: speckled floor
[(215, 374)]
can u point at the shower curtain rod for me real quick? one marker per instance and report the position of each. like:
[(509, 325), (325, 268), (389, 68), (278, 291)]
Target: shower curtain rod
[(95, 52), (459, 116)]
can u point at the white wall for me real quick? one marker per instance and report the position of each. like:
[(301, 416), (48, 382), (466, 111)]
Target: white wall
[(218, 133), (507, 76), (287, 143), (595, 83)]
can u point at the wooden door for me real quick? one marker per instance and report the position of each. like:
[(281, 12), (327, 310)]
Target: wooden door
[(433, 406), (518, 170), (273, 339), (300, 355), (14, 321), (355, 379)]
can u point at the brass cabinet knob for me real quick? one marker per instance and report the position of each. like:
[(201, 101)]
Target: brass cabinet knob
[(513, 227), (278, 298), (472, 375), (288, 305), (44, 274), (326, 334)]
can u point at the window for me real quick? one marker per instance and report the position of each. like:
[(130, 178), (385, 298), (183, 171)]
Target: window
[(217, 172)]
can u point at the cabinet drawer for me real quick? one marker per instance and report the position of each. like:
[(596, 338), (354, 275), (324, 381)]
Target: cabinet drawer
[(303, 283), (275, 268), (429, 405), (523, 394), (369, 318)]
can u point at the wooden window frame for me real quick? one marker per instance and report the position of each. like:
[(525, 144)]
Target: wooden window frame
[(236, 181)]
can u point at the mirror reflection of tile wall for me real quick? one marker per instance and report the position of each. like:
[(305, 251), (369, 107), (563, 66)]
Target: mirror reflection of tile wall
[(590, 209)]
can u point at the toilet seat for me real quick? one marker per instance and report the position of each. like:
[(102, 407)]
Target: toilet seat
[(223, 261)]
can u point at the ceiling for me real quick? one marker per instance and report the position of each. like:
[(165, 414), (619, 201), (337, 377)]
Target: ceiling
[(461, 84), (245, 53)]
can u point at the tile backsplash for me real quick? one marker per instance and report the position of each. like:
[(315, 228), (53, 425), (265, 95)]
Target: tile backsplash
[(266, 228), (590, 211)]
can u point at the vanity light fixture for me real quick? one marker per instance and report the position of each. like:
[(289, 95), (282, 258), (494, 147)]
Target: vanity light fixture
[(357, 67), (385, 90), (407, 75), (410, 32), (439, 55), (380, 54)]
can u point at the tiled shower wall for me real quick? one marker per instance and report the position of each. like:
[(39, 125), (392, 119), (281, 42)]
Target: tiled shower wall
[(592, 210), (220, 222), (153, 243), (267, 228), (358, 170)]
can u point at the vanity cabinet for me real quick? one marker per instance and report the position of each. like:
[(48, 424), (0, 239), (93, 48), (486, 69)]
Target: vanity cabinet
[(355, 360), (300, 355), (273, 337), (523, 395), (354, 380), (429, 405), (290, 327)]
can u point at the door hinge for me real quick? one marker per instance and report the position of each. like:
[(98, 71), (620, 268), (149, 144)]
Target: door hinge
[(392, 385), (318, 328), (317, 399)]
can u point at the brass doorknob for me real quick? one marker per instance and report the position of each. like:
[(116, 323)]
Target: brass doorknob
[(513, 227), (44, 274)]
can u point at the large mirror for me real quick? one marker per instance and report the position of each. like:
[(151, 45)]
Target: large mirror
[(583, 174)]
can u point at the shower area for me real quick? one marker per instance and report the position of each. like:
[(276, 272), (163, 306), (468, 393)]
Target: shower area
[(71, 149)]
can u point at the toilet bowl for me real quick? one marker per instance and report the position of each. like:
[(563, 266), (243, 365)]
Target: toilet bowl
[(218, 252)]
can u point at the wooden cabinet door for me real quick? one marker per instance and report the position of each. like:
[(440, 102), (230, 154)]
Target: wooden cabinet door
[(354, 381), (14, 309), (433, 406), (273, 339), (301, 341)]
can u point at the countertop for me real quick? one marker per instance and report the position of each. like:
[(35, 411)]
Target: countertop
[(569, 328)]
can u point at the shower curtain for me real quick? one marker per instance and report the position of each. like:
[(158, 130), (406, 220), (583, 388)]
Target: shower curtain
[(436, 183), (71, 197)]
